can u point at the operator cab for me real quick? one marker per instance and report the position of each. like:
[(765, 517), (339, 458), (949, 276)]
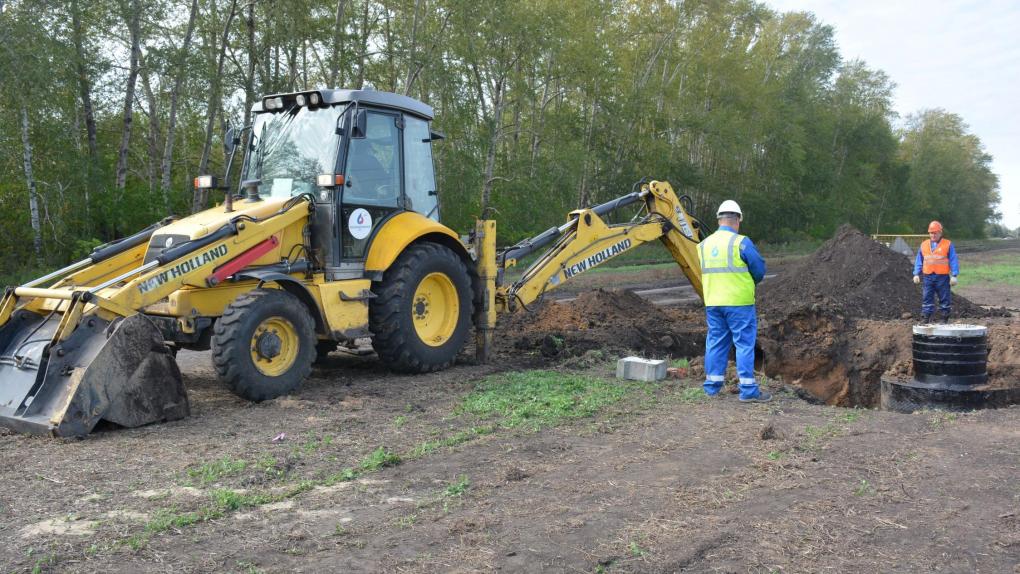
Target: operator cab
[(363, 155)]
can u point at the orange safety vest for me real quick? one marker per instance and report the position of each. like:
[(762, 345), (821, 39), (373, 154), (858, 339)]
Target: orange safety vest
[(937, 261)]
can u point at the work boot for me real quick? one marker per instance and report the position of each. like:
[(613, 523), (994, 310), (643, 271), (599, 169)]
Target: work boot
[(925, 319), (761, 397), (945, 316)]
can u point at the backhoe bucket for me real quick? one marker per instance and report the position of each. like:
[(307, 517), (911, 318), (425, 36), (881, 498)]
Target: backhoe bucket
[(119, 371)]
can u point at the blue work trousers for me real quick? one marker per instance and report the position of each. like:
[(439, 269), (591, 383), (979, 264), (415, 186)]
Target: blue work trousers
[(934, 284), (728, 327)]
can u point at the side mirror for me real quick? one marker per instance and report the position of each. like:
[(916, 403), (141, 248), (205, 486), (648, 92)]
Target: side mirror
[(360, 127), (434, 137), (232, 139)]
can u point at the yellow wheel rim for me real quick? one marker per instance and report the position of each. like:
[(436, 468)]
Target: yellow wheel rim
[(274, 346), (435, 309)]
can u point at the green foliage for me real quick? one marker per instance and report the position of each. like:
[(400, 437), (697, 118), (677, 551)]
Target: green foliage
[(380, 458), (1002, 270), (693, 395), (537, 399), (216, 470), (725, 99), (458, 488), (680, 363)]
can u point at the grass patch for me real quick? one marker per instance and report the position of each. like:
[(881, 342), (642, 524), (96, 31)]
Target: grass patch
[(313, 443), (1001, 270), (864, 488), (380, 458), (692, 395), (538, 399), (458, 488), (216, 470), (817, 436), (431, 446)]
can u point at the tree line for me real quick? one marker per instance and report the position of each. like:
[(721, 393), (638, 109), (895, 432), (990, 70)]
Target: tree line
[(109, 108)]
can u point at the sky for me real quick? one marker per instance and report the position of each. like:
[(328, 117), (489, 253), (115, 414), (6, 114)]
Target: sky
[(959, 55)]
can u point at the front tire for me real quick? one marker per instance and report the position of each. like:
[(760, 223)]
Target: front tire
[(421, 317), (264, 344)]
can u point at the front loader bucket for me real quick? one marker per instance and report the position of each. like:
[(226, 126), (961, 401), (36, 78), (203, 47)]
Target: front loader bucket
[(119, 371)]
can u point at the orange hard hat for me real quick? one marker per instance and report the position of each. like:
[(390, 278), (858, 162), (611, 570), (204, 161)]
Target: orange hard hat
[(934, 227)]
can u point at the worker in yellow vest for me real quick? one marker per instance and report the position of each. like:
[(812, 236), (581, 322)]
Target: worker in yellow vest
[(936, 260), (730, 268)]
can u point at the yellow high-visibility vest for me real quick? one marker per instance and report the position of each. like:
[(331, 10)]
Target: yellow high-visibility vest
[(725, 279)]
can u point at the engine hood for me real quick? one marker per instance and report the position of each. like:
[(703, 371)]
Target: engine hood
[(205, 222)]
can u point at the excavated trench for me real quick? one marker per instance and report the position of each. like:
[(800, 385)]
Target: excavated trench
[(830, 327)]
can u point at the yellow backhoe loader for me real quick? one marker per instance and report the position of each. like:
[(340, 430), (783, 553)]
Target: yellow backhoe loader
[(335, 238)]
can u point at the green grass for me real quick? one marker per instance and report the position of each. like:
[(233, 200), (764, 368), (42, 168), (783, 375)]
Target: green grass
[(216, 470), (864, 488), (1001, 269), (380, 458), (460, 437), (458, 488), (539, 399), (693, 395)]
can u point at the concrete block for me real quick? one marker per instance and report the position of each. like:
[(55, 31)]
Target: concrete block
[(638, 369)]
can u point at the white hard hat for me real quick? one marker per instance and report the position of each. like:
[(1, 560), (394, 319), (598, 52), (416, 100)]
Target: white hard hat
[(729, 206)]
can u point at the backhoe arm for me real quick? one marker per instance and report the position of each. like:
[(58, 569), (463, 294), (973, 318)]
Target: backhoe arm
[(586, 241)]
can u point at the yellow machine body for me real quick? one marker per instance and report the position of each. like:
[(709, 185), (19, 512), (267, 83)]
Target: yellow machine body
[(269, 284)]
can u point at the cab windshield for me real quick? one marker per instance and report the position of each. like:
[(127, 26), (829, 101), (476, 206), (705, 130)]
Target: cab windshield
[(290, 148)]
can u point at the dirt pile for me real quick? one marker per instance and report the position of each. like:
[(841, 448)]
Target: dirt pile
[(853, 276), (603, 322)]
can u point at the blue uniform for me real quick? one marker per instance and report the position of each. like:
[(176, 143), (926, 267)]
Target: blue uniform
[(730, 326), (933, 284)]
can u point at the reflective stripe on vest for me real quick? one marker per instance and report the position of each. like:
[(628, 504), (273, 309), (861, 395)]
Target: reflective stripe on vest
[(936, 261), (725, 280)]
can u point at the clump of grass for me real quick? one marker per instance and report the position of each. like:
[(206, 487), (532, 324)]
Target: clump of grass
[(458, 488), (864, 488), (692, 395), (380, 458), (538, 399), (216, 470), (463, 436), (313, 443)]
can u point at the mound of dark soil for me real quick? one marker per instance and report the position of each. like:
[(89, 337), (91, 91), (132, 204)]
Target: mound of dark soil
[(854, 276), (606, 322)]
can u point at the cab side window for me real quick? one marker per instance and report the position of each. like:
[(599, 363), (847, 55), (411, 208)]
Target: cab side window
[(420, 180), (373, 164)]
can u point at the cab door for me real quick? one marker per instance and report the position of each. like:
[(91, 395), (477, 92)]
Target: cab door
[(373, 179)]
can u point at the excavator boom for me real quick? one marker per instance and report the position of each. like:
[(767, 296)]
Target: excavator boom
[(586, 241)]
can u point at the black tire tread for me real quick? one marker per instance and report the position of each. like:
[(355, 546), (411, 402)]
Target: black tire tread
[(391, 337), (229, 340)]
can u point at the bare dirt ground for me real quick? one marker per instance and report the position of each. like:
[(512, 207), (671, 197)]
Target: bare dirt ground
[(662, 481)]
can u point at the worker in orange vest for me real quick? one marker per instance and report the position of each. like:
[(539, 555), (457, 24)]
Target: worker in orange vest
[(936, 261)]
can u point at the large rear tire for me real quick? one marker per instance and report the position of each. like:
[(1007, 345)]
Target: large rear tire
[(264, 344), (421, 315)]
